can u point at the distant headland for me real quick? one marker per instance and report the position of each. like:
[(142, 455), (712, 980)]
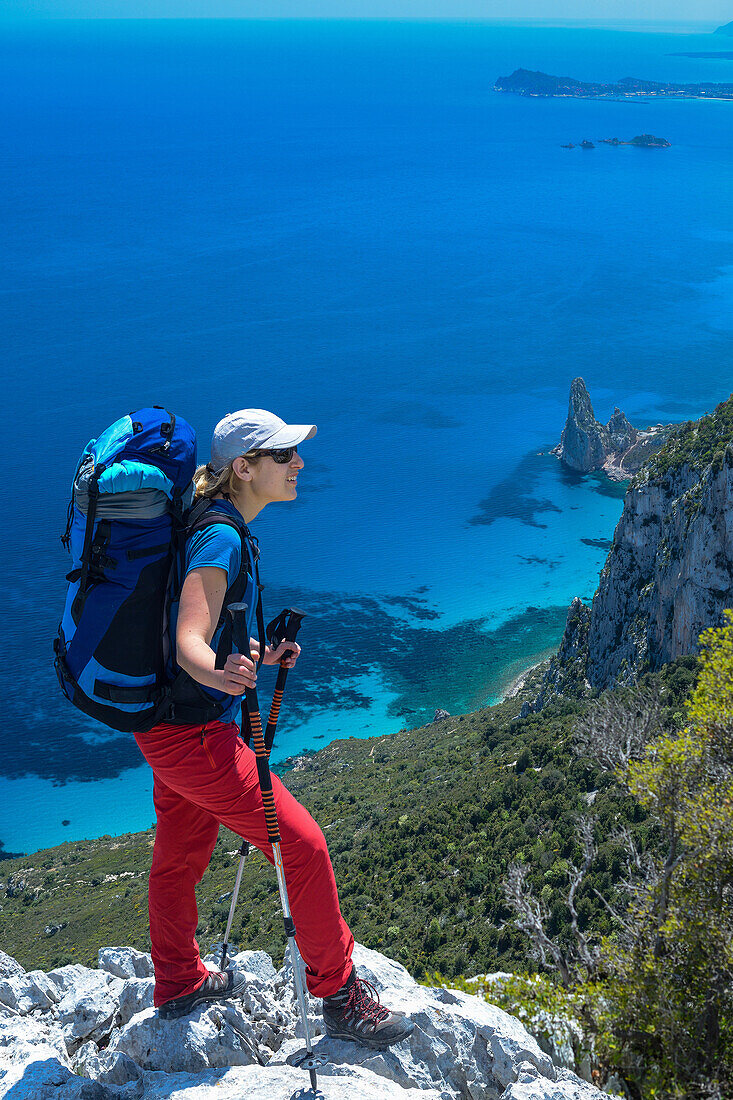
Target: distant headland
[(524, 82), (641, 141)]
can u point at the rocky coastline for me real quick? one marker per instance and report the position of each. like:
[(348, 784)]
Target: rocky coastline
[(538, 84), (669, 572)]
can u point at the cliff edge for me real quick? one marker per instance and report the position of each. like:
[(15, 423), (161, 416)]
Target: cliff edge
[(78, 1033), (669, 573)]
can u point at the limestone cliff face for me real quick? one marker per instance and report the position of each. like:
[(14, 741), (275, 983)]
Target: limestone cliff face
[(669, 573), (622, 433), (567, 672), (618, 447)]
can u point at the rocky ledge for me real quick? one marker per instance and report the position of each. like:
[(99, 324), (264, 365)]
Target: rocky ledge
[(617, 448), (77, 1033)]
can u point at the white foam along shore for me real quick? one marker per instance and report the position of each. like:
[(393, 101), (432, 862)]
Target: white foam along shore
[(520, 681)]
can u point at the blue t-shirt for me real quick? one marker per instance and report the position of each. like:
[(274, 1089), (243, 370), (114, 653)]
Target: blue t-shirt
[(220, 546)]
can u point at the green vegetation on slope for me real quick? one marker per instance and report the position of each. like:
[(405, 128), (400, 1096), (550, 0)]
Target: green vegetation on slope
[(671, 966), (422, 826), (696, 443)]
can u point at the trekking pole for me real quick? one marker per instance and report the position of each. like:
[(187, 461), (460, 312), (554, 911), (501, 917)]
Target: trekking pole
[(283, 628), (240, 638)]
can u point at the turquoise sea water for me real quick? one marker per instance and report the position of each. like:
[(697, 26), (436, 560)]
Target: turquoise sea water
[(344, 223)]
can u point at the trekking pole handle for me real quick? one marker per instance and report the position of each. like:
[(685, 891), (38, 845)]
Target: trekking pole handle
[(285, 628), (240, 634)]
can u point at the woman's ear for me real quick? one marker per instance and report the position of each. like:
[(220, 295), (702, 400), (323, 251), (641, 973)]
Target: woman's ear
[(241, 469)]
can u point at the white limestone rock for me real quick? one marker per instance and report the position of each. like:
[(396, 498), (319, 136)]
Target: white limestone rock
[(30, 1038), (461, 1045), (9, 966), (257, 967), (89, 1008), (118, 1073), (277, 1083), (462, 1048), (28, 991), (34, 1064), (566, 1087), (125, 962), (135, 996), (211, 1036), (85, 1053), (70, 977), (48, 1079)]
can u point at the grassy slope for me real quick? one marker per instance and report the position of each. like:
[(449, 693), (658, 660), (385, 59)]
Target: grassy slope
[(421, 826)]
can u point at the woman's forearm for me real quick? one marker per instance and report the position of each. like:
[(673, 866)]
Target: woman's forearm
[(197, 658)]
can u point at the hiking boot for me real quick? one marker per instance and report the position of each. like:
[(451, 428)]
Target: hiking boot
[(215, 987), (356, 1013)]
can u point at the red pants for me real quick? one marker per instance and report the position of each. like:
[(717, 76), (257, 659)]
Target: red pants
[(205, 776)]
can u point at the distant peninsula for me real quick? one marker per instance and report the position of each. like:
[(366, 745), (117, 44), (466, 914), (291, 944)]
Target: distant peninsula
[(641, 141), (718, 55), (524, 82), (727, 28)]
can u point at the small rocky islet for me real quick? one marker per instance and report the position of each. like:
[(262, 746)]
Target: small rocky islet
[(617, 448)]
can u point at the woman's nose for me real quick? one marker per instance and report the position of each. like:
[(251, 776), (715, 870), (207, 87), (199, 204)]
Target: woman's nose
[(297, 462)]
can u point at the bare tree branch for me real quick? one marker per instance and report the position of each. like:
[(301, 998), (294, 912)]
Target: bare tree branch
[(531, 916), (619, 727), (588, 955)]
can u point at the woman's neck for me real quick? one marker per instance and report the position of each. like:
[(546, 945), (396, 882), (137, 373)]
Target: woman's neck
[(246, 508)]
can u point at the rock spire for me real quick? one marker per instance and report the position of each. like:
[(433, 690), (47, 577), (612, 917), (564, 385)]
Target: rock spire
[(617, 447)]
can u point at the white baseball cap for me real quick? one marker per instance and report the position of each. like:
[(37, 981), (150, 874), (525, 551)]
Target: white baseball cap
[(254, 430)]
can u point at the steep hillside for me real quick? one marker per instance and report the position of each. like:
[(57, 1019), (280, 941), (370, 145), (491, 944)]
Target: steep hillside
[(669, 572), (421, 825)]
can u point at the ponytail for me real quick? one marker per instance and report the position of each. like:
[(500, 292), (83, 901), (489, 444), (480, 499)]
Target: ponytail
[(209, 484)]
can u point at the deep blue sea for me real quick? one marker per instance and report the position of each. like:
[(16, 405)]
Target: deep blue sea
[(344, 223)]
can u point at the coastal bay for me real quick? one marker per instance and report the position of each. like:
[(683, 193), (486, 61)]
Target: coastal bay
[(414, 265)]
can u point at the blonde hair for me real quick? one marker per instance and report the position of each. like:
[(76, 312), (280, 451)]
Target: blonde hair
[(208, 483)]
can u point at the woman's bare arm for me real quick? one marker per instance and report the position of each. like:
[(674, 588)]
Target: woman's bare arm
[(202, 597)]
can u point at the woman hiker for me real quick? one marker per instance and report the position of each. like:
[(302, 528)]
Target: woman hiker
[(205, 775)]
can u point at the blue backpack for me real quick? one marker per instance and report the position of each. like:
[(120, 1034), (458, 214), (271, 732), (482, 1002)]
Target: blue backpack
[(129, 517)]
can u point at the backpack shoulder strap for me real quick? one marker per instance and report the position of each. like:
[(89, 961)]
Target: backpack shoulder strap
[(201, 516)]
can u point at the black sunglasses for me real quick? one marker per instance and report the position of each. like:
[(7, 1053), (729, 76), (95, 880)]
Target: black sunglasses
[(285, 454)]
